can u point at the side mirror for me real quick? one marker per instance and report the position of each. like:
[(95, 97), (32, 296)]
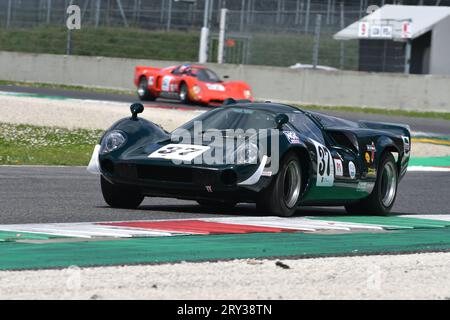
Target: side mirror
[(136, 108), (226, 77), (280, 120)]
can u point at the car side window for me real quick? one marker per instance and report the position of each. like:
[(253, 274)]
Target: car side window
[(306, 126), (176, 71)]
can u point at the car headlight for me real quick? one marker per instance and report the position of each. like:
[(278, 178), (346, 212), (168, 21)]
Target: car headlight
[(196, 89), (246, 153), (247, 94), (112, 141)]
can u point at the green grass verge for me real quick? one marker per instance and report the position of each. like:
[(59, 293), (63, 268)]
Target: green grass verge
[(64, 87), (286, 50), (34, 145), (107, 42)]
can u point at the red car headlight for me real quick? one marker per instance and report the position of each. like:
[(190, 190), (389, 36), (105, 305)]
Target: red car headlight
[(247, 94), (196, 89)]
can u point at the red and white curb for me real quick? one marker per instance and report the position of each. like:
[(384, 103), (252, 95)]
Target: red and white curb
[(207, 226)]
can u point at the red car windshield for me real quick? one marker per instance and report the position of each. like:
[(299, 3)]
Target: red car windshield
[(204, 75)]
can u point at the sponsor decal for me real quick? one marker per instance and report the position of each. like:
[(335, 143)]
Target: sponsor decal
[(325, 167), (215, 87), (183, 152), (209, 189), (166, 83), (151, 80), (365, 187), (372, 149), (363, 30), (367, 157), (371, 172), (338, 168), (352, 169), (406, 30), (379, 31), (292, 137)]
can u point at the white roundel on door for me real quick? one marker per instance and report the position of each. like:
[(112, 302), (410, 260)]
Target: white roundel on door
[(166, 83), (325, 166), (351, 170)]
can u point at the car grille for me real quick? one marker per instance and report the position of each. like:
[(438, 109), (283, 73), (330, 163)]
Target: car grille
[(163, 173)]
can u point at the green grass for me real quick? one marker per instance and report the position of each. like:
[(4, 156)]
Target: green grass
[(64, 87), (266, 49), (286, 50), (34, 145), (108, 42)]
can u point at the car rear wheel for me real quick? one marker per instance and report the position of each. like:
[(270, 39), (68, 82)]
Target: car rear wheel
[(184, 93), (282, 195), (214, 204), (143, 93), (120, 196), (383, 196)]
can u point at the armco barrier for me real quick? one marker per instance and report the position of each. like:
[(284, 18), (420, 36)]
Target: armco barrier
[(345, 88)]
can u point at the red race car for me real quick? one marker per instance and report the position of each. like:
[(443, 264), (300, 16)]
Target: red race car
[(189, 84)]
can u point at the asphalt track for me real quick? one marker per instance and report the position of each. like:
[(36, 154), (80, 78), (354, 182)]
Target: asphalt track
[(441, 127), (70, 194)]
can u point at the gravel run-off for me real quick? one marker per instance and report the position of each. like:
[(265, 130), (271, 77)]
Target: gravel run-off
[(413, 276)]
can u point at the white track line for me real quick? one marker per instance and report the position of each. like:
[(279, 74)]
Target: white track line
[(443, 217), (428, 169)]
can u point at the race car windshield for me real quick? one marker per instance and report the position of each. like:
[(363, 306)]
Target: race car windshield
[(205, 75), (232, 118)]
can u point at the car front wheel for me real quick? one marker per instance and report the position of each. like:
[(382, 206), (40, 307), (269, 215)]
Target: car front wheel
[(120, 196), (184, 93)]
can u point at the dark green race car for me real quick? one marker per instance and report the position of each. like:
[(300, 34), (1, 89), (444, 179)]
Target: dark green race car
[(274, 155)]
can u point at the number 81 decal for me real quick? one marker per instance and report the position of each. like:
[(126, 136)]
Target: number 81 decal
[(325, 166)]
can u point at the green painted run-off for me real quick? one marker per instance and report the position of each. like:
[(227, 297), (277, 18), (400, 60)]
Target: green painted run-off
[(430, 162), (17, 236), (217, 247), (389, 222)]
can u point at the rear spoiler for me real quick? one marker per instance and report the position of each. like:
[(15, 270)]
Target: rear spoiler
[(396, 128)]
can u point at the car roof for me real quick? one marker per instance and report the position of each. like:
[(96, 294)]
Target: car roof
[(265, 106), (197, 66)]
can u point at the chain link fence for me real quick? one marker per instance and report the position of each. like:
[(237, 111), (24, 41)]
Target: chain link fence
[(260, 32)]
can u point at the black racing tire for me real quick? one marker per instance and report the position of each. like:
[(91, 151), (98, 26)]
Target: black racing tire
[(120, 196), (216, 204), (281, 197), (383, 196), (183, 93), (143, 93)]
